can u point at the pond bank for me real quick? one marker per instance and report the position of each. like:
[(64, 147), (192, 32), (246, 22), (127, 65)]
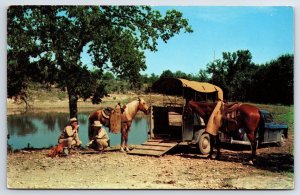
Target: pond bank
[(14, 107)]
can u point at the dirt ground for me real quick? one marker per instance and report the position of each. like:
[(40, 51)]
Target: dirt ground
[(181, 168)]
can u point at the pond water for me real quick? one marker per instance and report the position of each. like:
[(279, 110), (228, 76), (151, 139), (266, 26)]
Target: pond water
[(41, 130)]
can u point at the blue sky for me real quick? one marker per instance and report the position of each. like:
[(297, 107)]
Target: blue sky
[(266, 31)]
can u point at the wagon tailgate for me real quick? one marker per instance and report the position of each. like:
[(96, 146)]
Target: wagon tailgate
[(153, 147)]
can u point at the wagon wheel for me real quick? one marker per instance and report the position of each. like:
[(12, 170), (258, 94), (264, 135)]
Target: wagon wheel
[(204, 143)]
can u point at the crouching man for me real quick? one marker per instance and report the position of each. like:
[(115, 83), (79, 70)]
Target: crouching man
[(100, 139), (69, 135)]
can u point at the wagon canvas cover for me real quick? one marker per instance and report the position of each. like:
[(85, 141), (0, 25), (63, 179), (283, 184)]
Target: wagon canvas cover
[(174, 86)]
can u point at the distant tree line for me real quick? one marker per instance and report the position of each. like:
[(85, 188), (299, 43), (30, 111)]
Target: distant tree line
[(242, 80)]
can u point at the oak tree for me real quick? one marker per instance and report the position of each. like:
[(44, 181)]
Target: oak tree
[(45, 44)]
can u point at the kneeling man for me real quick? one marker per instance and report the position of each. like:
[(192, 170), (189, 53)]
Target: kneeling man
[(100, 139)]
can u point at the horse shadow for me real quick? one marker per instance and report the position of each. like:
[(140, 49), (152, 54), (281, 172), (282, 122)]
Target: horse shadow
[(276, 162), (270, 161)]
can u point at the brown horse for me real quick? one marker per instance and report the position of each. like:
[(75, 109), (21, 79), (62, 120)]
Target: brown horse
[(127, 116), (247, 117)]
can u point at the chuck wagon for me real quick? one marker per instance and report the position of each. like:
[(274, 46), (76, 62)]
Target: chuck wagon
[(169, 126)]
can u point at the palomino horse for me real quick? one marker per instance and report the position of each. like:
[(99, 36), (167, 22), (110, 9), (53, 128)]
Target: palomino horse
[(127, 116), (247, 117)]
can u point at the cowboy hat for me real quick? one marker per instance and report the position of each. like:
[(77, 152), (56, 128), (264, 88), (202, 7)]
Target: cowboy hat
[(105, 115), (73, 119), (97, 124)]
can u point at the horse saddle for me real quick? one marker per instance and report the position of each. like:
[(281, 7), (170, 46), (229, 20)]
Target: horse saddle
[(116, 119), (231, 112), (106, 112)]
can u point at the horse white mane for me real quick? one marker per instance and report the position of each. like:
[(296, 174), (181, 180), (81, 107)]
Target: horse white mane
[(132, 108)]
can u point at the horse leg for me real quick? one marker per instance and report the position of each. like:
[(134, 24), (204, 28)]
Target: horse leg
[(123, 136), (254, 143), (122, 142), (253, 148), (218, 143), (126, 142), (126, 132)]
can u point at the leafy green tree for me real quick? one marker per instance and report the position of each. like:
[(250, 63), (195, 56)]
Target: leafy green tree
[(20, 47), (240, 71), (149, 80), (108, 76), (166, 74), (145, 78), (202, 76), (242, 80), (45, 44), (218, 72), (274, 81), (153, 77), (282, 71), (233, 74), (180, 74)]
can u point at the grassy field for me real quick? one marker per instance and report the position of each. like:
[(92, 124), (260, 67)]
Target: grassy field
[(281, 114)]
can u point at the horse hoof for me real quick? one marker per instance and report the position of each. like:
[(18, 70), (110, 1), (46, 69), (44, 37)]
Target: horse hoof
[(127, 150), (250, 162), (122, 150)]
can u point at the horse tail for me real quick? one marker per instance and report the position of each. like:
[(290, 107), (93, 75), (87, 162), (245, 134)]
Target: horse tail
[(260, 127)]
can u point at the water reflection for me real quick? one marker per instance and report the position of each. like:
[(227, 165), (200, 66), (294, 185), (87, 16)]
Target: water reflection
[(21, 126), (82, 119), (49, 120), (42, 129)]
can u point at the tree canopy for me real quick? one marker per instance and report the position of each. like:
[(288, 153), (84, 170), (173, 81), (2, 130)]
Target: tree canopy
[(242, 80), (45, 44)]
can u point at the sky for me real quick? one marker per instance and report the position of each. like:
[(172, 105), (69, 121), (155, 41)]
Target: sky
[(267, 32)]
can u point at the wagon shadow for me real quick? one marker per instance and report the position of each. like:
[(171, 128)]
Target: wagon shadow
[(274, 162), (270, 161)]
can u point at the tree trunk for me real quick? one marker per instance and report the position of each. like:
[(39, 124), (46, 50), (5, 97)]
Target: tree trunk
[(72, 103)]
